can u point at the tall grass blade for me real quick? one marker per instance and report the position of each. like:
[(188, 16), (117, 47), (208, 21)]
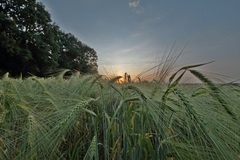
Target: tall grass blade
[(216, 93), (91, 152)]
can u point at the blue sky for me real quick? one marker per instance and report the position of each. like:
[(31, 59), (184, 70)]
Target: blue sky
[(130, 35)]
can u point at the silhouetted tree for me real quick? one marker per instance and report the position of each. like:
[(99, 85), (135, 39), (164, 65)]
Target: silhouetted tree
[(27, 45), (76, 55), (31, 43)]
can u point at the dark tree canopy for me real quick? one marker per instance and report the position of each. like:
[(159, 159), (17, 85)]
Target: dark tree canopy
[(32, 44)]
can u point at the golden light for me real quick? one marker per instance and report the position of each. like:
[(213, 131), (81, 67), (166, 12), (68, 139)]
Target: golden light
[(121, 80)]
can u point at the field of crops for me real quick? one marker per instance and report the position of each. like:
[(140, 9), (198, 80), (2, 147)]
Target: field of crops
[(86, 117)]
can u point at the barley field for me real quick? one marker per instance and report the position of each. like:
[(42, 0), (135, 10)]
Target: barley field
[(89, 117)]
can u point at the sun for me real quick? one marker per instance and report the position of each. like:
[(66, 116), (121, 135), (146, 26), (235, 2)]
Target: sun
[(117, 71), (120, 80)]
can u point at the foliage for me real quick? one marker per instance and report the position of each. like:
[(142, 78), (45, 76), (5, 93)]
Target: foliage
[(86, 117), (32, 44)]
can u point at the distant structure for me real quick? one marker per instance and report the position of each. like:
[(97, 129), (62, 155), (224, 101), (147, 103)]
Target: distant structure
[(127, 78)]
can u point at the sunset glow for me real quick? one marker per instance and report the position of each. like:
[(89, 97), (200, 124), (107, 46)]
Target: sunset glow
[(129, 35)]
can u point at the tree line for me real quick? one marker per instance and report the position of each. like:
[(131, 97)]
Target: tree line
[(31, 44)]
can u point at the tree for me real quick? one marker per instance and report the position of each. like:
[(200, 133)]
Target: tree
[(27, 44), (74, 54), (31, 43)]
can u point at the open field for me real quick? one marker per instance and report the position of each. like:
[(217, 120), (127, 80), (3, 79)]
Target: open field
[(85, 117)]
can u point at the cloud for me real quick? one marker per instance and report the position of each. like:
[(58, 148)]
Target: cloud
[(136, 6)]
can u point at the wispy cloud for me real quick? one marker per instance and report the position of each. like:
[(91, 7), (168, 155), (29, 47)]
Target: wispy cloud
[(136, 6), (131, 50)]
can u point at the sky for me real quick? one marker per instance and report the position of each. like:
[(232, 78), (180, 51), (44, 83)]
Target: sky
[(133, 35)]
